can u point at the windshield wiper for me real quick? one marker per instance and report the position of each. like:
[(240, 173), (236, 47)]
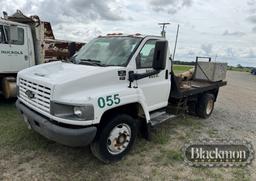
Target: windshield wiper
[(91, 62)]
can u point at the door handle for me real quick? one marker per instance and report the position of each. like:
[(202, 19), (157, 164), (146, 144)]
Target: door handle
[(26, 58)]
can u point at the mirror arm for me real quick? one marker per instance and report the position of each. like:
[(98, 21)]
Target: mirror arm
[(134, 76)]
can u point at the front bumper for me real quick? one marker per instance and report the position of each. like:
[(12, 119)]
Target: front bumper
[(67, 136)]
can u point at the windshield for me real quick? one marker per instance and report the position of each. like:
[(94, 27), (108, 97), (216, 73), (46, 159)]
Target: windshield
[(107, 51)]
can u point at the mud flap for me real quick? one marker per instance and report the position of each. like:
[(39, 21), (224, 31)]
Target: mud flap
[(146, 131)]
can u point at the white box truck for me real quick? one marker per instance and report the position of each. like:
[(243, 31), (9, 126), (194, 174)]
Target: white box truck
[(25, 42), (116, 86)]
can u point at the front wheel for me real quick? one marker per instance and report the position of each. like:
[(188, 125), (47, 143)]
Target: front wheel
[(205, 105), (115, 139)]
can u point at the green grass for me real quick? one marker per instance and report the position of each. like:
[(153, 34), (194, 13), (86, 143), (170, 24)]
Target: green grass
[(168, 156), (161, 136), (160, 159), (241, 174), (181, 68), (213, 133), (174, 155), (239, 69), (14, 133), (210, 173)]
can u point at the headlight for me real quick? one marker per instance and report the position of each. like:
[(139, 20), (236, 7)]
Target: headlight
[(79, 113)]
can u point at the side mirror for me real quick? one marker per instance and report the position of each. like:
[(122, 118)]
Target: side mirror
[(160, 53), (13, 34)]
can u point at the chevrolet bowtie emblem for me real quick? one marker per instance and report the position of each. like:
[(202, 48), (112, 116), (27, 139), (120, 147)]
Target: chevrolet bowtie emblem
[(30, 94)]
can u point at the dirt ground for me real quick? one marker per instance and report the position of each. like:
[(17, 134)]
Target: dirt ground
[(25, 155)]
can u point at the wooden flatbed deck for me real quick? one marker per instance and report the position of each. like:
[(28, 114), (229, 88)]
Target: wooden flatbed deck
[(193, 87)]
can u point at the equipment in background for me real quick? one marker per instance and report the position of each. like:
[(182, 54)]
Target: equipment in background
[(25, 42)]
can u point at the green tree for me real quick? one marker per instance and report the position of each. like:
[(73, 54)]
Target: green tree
[(239, 66)]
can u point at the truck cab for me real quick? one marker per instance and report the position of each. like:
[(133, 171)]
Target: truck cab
[(116, 86), (18, 48), (16, 53)]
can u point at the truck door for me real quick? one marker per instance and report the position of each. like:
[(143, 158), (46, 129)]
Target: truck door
[(13, 50), (156, 88)]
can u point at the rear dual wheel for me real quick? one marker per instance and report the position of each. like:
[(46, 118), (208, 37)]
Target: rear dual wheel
[(115, 139)]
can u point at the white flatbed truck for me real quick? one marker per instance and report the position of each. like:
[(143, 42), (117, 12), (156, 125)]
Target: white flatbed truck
[(116, 86)]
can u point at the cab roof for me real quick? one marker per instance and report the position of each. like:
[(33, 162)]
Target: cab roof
[(8, 22), (129, 35)]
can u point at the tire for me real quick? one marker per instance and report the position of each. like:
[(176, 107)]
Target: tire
[(113, 148), (205, 105)]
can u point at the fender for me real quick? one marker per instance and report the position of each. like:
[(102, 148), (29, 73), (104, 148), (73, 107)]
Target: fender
[(136, 97)]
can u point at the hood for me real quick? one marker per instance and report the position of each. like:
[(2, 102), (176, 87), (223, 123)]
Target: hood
[(68, 80), (59, 72)]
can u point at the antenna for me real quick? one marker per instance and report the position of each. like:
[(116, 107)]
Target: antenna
[(176, 41), (163, 32)]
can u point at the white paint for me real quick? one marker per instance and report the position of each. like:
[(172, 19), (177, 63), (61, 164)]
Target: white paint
[(16, 57), (74, 84)]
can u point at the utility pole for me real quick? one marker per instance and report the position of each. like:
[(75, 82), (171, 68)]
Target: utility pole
[(163, 32), (216, 57)]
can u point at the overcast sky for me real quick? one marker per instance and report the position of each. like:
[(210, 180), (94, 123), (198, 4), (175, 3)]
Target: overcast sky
[(222, 28)]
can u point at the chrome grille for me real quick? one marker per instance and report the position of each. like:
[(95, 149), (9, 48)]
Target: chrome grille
[(40, 97)]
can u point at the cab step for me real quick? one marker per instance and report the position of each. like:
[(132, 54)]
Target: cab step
[(160, 117)]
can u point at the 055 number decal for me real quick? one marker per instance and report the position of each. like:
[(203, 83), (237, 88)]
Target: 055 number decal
[(108, 100)]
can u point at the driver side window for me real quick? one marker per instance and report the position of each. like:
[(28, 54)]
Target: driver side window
[(146, 55)]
